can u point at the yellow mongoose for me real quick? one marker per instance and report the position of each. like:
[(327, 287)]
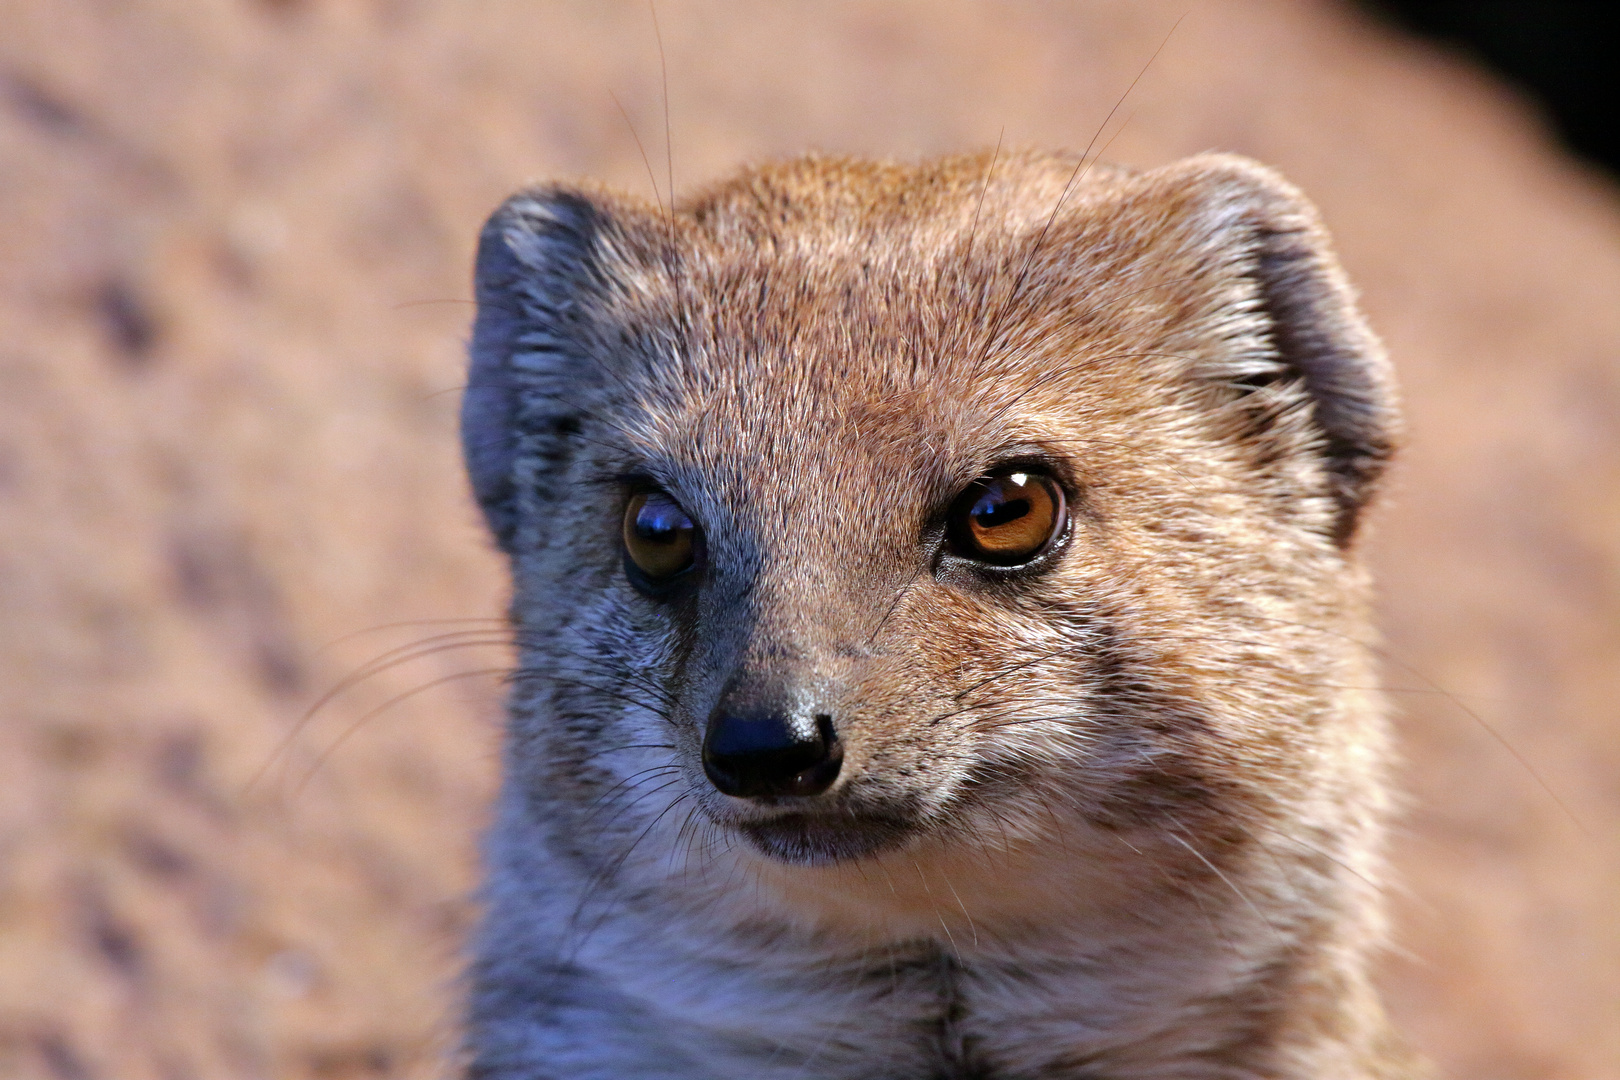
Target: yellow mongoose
[(939, 612)]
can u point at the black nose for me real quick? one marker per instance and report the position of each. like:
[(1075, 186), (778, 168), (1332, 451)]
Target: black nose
[(755, 756)]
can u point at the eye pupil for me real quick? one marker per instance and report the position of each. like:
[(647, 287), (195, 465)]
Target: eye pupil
[(989, 514), (657, 525), (659, 537), (1007, 519)]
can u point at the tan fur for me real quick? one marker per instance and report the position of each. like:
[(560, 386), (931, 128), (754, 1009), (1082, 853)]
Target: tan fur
[(1123, 812)]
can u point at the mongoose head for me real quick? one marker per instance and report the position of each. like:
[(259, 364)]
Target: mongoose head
[(859, 511)]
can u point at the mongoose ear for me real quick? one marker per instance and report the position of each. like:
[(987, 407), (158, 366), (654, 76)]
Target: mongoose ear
[(537, 264), (1322, 379)]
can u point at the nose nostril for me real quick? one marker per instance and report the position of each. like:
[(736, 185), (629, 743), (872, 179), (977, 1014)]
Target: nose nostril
[(752, 757)]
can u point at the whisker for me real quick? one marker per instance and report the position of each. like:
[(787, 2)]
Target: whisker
[(1175, 834), (893, 607), (663, 74), (626, 746), (642, 150), (943, 925), (389, 660), (1062, 651), (424, 303), (552, 677), (1080, 168), (1387, 658), (664, 702), (348, 732), (613, 869), (379, 628), (974, 930), (626, 785), (978, 209)]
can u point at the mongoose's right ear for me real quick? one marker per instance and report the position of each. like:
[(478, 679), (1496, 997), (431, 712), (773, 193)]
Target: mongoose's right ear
[(1319, 383), (537, 267)]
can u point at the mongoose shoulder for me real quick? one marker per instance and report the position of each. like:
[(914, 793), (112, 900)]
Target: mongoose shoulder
[(940, 628)]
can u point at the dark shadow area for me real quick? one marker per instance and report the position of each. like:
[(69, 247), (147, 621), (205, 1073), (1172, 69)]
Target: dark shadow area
[(1563, 54)]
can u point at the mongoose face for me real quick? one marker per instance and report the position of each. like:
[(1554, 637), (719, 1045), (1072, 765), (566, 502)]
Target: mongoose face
[(994, 517)]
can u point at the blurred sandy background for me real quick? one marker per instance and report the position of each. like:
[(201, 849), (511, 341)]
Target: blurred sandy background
[(234, 249)]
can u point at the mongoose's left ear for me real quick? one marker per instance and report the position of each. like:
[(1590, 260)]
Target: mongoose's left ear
[(1264, 246), (539, 267)]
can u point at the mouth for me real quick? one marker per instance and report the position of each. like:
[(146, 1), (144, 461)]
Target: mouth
[(818, 840)]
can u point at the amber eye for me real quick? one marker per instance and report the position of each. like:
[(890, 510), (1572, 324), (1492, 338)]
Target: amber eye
[(659, 537), (1008, 518)]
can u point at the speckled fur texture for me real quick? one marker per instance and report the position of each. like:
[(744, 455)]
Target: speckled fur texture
[(1113, 815)]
